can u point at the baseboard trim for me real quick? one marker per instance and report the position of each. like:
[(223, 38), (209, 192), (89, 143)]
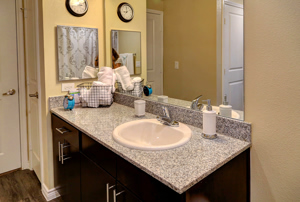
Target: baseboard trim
[(49, 194)]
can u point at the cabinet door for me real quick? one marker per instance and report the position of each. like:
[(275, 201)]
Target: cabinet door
[(99, 154), (96, 184), (71, 172), (143, 185), (66, 160), (121, 194)]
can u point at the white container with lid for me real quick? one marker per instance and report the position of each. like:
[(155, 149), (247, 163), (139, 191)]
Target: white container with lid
[(225, 108), (209, 122), (140, 107)]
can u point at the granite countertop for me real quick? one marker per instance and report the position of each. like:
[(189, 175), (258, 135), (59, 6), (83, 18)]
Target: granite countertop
[(178, 168)]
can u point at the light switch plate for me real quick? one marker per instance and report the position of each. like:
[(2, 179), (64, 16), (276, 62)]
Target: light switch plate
[(67, 86), (176, 65), (138, 63)]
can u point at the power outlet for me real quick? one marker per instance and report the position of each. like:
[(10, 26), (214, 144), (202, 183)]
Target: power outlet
[(67, 86), (176, 65), (138, 63)]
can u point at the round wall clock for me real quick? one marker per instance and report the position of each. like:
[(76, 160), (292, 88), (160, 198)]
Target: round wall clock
[(125, 12), (77, 8)]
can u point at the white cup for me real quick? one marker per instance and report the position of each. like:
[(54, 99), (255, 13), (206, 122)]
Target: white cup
[(140, 106)]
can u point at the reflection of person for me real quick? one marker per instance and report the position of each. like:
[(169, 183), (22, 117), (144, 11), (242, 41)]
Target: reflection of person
[(96, 61), (117, 61)]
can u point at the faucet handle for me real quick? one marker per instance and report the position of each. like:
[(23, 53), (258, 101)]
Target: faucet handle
[(195, 103)]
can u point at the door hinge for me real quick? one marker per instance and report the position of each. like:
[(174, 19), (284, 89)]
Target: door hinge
[(224, 71), (24, 12)]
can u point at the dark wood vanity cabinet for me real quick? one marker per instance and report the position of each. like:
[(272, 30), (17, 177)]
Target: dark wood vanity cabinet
[(66, 159), (91, 172)]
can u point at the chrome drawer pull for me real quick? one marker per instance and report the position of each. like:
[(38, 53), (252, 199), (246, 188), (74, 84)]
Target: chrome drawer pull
[(62, 132), (62, 146), (107, 191), (59, 154), (117, 194)]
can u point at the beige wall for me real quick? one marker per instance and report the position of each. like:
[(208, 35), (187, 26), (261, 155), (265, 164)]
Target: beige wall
[(190, 38), (137, 24), (155, 4), (55, 13), (272, 92)]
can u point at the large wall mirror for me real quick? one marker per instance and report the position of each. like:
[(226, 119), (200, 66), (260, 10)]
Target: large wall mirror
[(78, 52), (196, 48), (126, 50)]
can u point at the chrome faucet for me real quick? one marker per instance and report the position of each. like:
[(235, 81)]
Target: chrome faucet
[(196, 105), (166, 119)]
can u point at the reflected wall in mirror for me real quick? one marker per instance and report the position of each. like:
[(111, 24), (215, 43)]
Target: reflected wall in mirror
[(78, 52), (126, 50), (196, 48)]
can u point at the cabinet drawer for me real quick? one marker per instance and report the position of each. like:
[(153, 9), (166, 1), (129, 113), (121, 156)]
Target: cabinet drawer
[(99, 154), (65, 130), (139, 182)]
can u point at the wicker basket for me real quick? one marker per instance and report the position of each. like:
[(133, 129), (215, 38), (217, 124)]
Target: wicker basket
[(137, 89), (95, 96)]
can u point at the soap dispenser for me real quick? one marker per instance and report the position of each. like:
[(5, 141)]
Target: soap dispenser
[(209, 122), (225, 108)]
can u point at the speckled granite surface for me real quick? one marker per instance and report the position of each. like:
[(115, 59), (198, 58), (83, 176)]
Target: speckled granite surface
[(178, 168)]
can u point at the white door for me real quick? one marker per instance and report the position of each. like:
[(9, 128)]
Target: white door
[(31, 45), (233, 56), (10, 154), (155, 51)]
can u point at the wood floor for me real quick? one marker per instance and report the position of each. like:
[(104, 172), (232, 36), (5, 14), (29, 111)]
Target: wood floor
[(21, 186)]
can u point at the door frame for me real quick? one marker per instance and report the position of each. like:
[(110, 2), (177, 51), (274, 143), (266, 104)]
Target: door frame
[(24, 136), (22, 88), (161, 15)]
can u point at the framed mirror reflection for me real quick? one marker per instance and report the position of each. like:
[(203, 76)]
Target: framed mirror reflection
[(195, 52), (126, 50), (78, 52)]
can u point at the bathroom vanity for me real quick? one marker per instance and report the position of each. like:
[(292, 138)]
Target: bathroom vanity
[(90, 166)]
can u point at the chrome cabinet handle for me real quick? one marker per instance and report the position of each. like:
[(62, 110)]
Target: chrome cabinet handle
[(10, 92), (36, 94), (59, 157), (62, 146), (117, 194), (62, 132), (107, 191)]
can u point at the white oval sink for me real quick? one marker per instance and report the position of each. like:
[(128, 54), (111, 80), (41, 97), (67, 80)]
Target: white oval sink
[(150, 134)]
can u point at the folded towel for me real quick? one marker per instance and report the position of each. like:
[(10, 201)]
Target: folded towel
[(106, 75), (128, 61), (136, 79), (123, 77), (89, 72)]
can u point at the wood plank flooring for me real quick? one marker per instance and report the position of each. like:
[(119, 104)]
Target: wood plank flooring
[(21, 186)]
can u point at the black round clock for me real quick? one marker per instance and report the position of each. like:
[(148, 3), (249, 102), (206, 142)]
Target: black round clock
[(125, 12), (77, 8)]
